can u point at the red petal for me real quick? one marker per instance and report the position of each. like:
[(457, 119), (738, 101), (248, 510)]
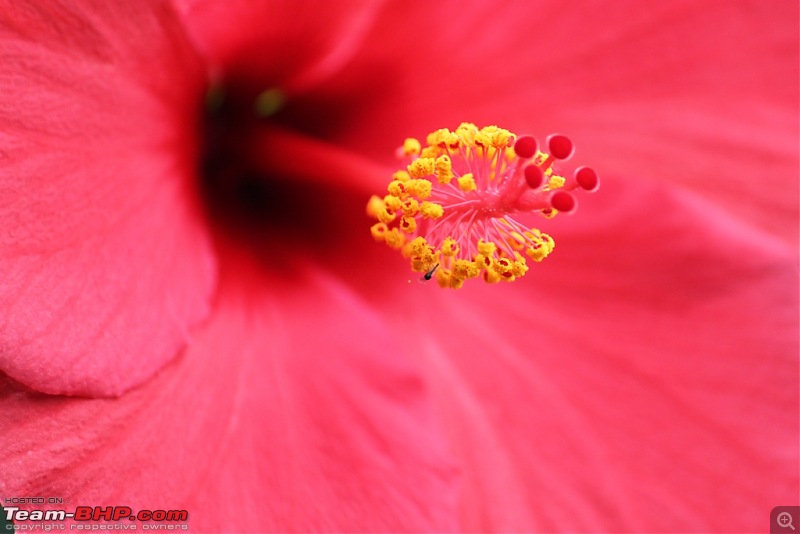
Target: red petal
[(649, 362), (279, 44), (658, 92), (299, 157), (104, 257), (290, 411)]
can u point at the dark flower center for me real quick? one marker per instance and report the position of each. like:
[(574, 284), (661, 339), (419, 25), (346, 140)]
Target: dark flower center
[(246, 197)]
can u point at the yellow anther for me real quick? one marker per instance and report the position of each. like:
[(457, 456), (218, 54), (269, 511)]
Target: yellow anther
[(375, 206), (443, 138), (385, 216), (420, 188), (432, 152), (408, 224), (401, 176), (483, 140), (423, 263), (421, 167), (448, 278), (378, 231), (417, 247), (397, 188), (543, 247), (467, 182), (393, 203), (486, 248), (537, 253), (450, 247), (411, 147), (443, 277), (502, 265), (452, 140), (467, 131), (410, 207), (465, 269), (444, 169), (555, 182), (429, 210), (519, 267), (438, 138), (419, 264), (491, 276), (483, 261), (497, 137), (456, 282), (395, 239)]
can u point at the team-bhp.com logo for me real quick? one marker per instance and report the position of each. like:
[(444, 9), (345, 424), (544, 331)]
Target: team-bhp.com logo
[(93, 518)]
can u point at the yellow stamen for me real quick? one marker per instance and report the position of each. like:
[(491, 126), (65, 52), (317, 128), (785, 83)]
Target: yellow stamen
[(401, 176), (385, 216), (429, 210), (467, 183), (375, 206), (449, 247), (555, 182), (451, 208), (394, 239), (378, 231), (408, 224), (420, 188), (410, 207), (444, 169), (398, 188), (411, 147), (392, 203), (422, 167)]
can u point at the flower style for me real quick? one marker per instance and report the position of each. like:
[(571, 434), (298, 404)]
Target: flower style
[(195, 317)]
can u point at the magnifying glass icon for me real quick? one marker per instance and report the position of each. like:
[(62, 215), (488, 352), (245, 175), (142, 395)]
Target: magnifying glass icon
[(785, 520)]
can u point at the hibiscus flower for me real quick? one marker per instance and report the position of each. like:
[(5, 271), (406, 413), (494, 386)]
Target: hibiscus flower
[(195, 315)]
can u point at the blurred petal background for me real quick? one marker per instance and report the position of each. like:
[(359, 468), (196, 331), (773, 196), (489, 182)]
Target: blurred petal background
[(643, 378)]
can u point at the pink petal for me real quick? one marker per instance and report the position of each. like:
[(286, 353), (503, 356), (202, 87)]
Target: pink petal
[(290, 411), (641, 379), (103, 251), (281, 44), (700, 93)]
